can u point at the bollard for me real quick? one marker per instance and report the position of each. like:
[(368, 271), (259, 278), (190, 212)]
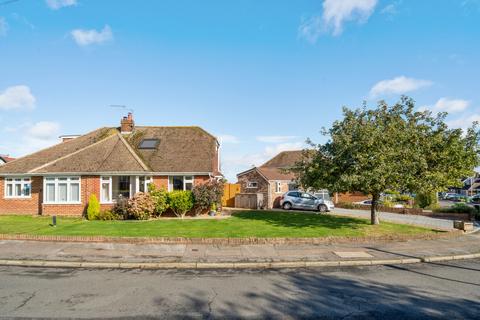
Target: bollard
[(54, 221)]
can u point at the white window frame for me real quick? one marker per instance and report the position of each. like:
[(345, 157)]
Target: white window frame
[(22, 181), (56, 181), (148, 180), (108, 180), (278, 187), (185, 181), (252, 184)]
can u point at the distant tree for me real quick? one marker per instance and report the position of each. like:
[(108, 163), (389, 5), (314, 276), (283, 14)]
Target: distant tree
[(390, 147)]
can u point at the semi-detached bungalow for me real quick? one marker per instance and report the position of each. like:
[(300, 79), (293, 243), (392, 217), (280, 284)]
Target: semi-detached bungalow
[(108, 162)]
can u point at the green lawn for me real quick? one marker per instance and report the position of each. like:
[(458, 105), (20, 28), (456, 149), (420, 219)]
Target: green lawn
[(245, 224)]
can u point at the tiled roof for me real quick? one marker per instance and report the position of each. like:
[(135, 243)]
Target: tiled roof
[(276, 168), (180, 150)]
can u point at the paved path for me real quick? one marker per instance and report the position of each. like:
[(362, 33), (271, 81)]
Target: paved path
[(399, 218), (423, 291)]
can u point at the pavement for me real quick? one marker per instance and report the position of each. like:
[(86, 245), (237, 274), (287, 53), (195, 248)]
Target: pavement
[(196, 256), (448, 290)]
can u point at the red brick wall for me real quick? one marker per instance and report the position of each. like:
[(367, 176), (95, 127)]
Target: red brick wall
[(90, 185), (350, 197), (22, 206)]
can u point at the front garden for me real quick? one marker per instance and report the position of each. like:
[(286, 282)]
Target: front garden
[(261, 224)]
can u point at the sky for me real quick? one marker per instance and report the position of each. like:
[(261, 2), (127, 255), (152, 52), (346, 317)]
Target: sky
[(261, 75)]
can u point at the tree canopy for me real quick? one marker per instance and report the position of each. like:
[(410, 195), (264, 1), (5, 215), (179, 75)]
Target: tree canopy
[(390, 147)]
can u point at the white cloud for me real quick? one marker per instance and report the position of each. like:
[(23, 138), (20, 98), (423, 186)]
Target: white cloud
[(87, 37), (464, 122), (449, 105), (275, 139), (335, 14), (3, 27), (57, 4), (227, 138), (17, 97), (398, 85), (43, 130)]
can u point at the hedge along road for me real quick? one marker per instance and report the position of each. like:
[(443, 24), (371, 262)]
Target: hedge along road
[(244, 224)]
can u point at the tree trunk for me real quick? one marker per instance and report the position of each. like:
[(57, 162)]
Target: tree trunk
[(374, 218)]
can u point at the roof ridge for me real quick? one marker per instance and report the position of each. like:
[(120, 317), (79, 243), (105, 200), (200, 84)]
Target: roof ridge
[(183, 127), (134, 154), (70, 154)]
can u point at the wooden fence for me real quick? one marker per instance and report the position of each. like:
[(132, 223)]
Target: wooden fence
[(249, 200), (229, 192)]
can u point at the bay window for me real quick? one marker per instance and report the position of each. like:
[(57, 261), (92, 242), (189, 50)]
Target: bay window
[(18, 188), (180, 183), (61, 190)]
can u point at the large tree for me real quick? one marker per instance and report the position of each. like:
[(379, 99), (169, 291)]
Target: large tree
[(390, 147)]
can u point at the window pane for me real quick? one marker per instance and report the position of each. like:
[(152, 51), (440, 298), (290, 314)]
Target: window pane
[(9, 190), (188, 178), (26, 189), (141, 184), (188, 186), (18, 190), (50, 192), (62, 192), (105, 192), (177, 183), (75, 192)]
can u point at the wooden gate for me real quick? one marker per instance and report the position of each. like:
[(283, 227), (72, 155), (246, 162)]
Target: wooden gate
[(229, 192)]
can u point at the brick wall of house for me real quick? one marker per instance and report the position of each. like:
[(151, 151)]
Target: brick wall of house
[(22, 206), (254, 176), (274, 199), (89, 185)]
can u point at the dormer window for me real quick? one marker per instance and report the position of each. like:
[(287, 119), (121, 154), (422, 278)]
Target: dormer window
[(149, 144)]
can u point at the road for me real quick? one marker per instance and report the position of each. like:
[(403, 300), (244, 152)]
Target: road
[(444, 290)]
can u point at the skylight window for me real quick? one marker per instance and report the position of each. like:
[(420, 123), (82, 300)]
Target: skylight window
[(149, 144)]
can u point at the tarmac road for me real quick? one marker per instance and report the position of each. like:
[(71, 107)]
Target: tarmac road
[(449, 290)]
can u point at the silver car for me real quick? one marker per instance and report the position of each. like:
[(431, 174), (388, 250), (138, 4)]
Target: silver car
[(304, 201)]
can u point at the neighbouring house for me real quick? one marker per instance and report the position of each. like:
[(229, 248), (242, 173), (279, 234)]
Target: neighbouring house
[(108, 162), (271, 179), (471, 185), (4, 158)]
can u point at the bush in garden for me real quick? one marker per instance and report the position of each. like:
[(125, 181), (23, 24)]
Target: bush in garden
[(457, 208), (93, 209), (141, 206), (160, 197), (120, 208), (108, 215), (181, 202), (426, 199), (207, 195)]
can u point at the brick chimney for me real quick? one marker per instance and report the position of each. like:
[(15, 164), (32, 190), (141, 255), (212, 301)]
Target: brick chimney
[(127, 124)]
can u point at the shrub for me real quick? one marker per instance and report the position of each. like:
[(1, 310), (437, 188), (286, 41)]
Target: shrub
[(207, 195), (120, 208), (93, 209), (160, 197), (108, 215), (403, 198), (180, 202), (141, 206), (426, 199), (349, 205), (457, 208)]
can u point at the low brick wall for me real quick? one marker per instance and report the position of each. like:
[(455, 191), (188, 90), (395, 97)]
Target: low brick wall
[(232, 241)]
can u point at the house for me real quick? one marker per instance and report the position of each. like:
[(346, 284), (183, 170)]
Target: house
[(271, 179), (4, 158), (108, 162), (470, 187)]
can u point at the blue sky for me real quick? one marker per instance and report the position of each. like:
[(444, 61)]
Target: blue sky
[(261, 75)]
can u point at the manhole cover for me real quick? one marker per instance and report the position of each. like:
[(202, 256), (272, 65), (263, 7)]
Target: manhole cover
[(356, 254)]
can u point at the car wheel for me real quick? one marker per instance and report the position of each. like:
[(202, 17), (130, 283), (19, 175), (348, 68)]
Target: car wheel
[(287, 206), (322, 208)]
